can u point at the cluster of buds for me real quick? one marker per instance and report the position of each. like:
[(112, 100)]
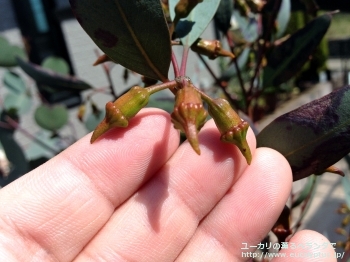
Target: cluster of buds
[(188, 116)]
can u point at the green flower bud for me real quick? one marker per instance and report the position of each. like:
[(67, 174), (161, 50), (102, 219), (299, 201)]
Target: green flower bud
[(232, 128), (122, 110), (210, 48), (189, 114)]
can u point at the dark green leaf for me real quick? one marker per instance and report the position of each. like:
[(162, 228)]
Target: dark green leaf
[(314, 136), (13, 152), (51, 118), (286, 59), (14, 82), (51, 79), (190, 28), (223, 15), (56, 64), (132, 33), (21, 102)]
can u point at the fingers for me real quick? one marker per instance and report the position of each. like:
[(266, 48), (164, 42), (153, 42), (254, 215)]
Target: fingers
[(56, 209), (157, 222), (246, 214), (307, 246)]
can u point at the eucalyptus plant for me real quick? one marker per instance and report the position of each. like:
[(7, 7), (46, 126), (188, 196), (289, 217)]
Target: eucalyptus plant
[(137, 35), (140, 36)]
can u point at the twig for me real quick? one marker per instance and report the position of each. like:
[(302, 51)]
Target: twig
[(231, 99), (171, 85), (16, 126), (265, 38), (175, 64), (109, 79), (238, 70), (184, 60)]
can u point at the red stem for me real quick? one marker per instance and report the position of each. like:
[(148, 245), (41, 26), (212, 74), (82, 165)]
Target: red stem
[(184, 60), (175, 64)]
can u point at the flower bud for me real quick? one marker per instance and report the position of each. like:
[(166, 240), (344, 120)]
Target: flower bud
[(232, 128), (184, 7), (122, 110), (102, 59), (81, 112), (189, 114), (211, 49)]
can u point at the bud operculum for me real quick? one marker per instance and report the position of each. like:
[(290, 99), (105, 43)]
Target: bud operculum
[(232, 128), (122, 110), (210, 48), (189, 114)]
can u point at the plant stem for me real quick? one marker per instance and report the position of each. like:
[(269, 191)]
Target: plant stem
[(305, 206), (239, 74), (109, 79), (265, 38), (153, 89), (184, 60), (16, 126), (231, 99), (175, 64)]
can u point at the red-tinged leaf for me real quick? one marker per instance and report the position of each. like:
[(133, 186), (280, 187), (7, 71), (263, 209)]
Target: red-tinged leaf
[(52, 79), (314, 136), (132, 33)]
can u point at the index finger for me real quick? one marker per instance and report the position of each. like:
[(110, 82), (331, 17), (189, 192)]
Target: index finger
[(52, 212)]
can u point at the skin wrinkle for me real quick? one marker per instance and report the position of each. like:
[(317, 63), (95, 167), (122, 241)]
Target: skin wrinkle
[(25, 238), (93, 185)]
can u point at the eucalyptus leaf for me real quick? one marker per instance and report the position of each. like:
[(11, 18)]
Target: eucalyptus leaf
[(314, 136), (283, 17), (191, 28), (13, 152), (8, 53), (132, 33), (21, 102), (15, 155), (49, 78), (51, 117), (14, 82), (286, 59), (222, 17), (56, 64)]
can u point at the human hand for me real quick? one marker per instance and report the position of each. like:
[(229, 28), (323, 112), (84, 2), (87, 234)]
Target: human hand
[(134, 195)]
